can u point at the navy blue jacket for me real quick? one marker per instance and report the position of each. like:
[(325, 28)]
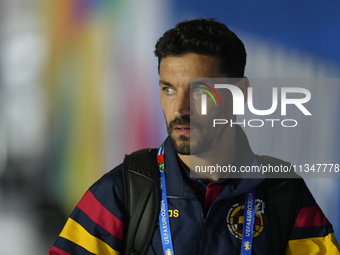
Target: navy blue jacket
[(96, 224)]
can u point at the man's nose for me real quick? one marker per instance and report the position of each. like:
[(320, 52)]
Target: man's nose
[(183, 104)]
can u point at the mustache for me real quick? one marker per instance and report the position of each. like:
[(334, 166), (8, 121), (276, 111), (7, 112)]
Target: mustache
[(184, 120)]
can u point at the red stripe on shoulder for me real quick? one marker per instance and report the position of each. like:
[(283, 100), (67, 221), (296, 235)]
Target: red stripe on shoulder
[(100, 215), (56, 251), (310, 217)]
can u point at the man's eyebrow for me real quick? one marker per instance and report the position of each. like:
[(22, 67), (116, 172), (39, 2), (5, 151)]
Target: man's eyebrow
[(161, 82)]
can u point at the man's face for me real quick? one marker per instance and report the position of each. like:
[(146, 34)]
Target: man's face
[(187, 128)]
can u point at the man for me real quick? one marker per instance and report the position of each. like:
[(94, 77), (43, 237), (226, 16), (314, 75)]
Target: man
[(205, 216)]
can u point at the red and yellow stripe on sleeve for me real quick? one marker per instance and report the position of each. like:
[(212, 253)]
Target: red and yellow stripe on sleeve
[(100, 215), (75, 233), (314, 245), (91, 228), (312, 234)]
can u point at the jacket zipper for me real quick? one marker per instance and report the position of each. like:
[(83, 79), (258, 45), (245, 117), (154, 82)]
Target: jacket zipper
[(220, 199), (202, 225)]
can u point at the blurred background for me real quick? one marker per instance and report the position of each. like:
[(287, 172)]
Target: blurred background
[(79, 89)]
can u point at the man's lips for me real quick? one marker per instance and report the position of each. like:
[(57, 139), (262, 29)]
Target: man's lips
[(182, 129)]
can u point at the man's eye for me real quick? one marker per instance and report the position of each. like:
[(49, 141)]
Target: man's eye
[(199, 90), (168, 91)]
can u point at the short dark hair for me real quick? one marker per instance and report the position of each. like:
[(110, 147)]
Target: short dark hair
[(208, 37)]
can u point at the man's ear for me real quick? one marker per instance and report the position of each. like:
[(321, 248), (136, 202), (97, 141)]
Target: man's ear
[(243, 84)]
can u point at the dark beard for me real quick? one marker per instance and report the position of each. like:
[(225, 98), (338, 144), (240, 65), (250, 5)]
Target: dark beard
[(184, 146), (204, 140)]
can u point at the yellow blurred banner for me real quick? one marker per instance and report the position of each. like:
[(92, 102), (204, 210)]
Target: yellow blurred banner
[(75, 69)]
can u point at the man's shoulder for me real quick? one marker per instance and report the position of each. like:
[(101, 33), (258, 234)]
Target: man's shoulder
[(113, 181), (110, 186), (275, 168), (270, 159), (110, 178), (138, 161)]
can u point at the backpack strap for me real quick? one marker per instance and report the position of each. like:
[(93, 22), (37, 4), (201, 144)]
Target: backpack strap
[(282, 199), (142, 200)]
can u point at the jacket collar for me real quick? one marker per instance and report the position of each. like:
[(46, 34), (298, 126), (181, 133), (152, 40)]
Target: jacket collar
[(175, 175)]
